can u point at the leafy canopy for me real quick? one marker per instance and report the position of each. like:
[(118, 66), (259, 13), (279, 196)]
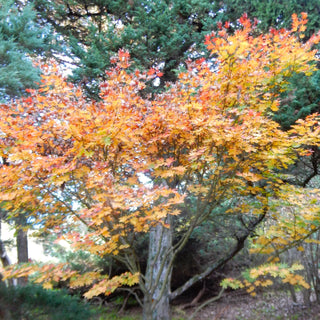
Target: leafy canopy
[(208, 137)]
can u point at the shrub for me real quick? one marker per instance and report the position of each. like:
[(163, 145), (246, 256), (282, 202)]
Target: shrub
[(32, 302)]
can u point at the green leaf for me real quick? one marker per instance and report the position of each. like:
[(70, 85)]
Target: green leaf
[(107, 141)]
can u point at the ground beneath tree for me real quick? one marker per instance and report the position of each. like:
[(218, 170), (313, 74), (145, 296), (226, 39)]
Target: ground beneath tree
[(273, 305)]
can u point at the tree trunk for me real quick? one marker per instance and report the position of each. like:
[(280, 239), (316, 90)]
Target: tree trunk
[(156, 304), (22, 246)]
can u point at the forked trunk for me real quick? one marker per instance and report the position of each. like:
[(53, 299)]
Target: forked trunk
[(158, 275)]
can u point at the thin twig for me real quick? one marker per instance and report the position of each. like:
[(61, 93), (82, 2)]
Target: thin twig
[(206, 303)]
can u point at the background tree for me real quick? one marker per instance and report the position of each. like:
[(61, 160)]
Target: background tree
[(275, 14), (156, 33), (128, 165), (21, 39)]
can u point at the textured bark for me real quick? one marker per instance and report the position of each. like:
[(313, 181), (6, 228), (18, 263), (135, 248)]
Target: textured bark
[(22, 244), (158, 275), (22, 247), (157, 291)]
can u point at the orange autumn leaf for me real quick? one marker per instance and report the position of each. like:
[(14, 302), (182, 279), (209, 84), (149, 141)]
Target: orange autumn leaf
[(122, 165)]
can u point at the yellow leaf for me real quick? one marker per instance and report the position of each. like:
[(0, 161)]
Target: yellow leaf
[(7, 196)]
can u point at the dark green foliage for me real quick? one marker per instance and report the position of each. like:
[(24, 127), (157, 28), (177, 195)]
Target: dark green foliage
[(271, 13), (301, 99), (160, 33), (35, 303), (20, 39), (156, 33)]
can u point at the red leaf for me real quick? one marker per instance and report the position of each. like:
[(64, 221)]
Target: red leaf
[(124, 54), (151, 72)]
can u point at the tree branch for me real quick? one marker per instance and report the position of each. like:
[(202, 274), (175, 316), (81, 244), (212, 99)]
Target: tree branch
[(240, 244), (206, 303)]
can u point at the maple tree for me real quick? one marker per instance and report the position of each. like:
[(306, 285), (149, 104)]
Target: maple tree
[(129, 165)]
